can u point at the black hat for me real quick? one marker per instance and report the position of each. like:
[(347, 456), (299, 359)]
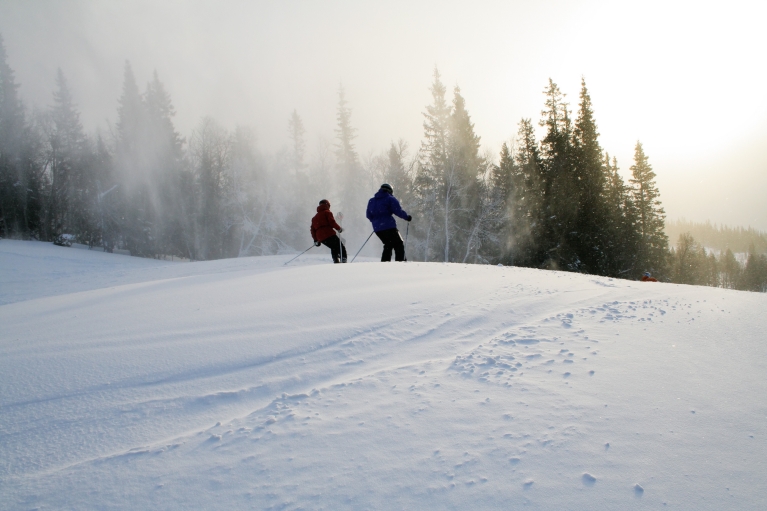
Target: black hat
[(324, 201), (387, 187)]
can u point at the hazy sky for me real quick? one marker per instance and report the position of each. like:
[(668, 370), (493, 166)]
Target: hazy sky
[(687, 79)]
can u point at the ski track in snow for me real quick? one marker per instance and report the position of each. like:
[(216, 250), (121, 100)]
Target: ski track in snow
[(374, 386)]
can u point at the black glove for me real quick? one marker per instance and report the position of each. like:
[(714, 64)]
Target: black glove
[(340, 229), (317, 243), (409, 218)]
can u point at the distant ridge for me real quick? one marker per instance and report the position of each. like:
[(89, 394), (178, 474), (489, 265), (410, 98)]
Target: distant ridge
[(719, 237)]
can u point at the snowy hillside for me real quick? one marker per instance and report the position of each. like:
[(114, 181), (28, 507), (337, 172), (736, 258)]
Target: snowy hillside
[(129, 383)]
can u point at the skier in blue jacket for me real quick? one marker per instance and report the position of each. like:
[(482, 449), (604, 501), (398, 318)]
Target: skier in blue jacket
[(380, 210)]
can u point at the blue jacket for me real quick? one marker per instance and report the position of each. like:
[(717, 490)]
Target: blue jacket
[(380, 210)]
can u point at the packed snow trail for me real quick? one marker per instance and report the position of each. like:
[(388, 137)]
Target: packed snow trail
[(246, 384)]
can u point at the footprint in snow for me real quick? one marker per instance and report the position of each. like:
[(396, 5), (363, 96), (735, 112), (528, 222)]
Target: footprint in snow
[(638, 490), (588, 479)]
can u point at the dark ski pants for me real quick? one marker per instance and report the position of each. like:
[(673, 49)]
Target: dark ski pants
[(336, 248), (392, 240)]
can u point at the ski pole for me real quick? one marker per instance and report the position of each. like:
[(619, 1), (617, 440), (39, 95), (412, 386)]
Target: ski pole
[(363, 246), (299, 255), (407, 231), (340, 239)]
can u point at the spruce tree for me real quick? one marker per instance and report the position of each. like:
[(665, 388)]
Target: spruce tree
[(303, 202), (130, 121), (505, 182), (296, 132), (592, 243), (502, 175), (529, 244), (730, 270), (653, 243), (164, 152), (754, 276), (108, 202), (621, 222), (432, 166), (132, 169), (21, 181), (248, 194), (347, 160), (462, 182), (70, 194), (560, 204), (353, 187), (398, 173), (149, 165), (210, 147)]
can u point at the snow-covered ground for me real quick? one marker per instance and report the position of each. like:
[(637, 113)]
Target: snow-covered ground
[(129, 383)]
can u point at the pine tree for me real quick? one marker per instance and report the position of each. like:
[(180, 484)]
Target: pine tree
[(507, 183), (210, 147), (164, 149), (250, 199), (754, 277), (594, 247), (398, 173), (160, 113), (653, 243), (730, 270), (621, 222), (464, 202), (712, 271), (302, 203), (430, 193), (108, 203), (353, 186), (529, 239), (560, 198), (502, 175), (296, 132), (130, 122), (150, 168), (345, 135), (21, 177), (132, 169), (347, 160), (68, 204)]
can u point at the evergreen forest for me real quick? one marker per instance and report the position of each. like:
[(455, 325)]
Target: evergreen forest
[(557, 203)]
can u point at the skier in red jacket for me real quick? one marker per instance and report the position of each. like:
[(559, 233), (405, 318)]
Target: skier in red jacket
[(648, 278), (322, 231)]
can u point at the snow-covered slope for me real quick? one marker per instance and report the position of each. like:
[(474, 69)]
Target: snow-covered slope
[(135, 384)]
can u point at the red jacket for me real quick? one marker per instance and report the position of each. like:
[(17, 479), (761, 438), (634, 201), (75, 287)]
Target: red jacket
[(645, 278), (323, 224)]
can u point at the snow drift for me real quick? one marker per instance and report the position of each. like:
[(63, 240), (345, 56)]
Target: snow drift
[(129, 383)]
